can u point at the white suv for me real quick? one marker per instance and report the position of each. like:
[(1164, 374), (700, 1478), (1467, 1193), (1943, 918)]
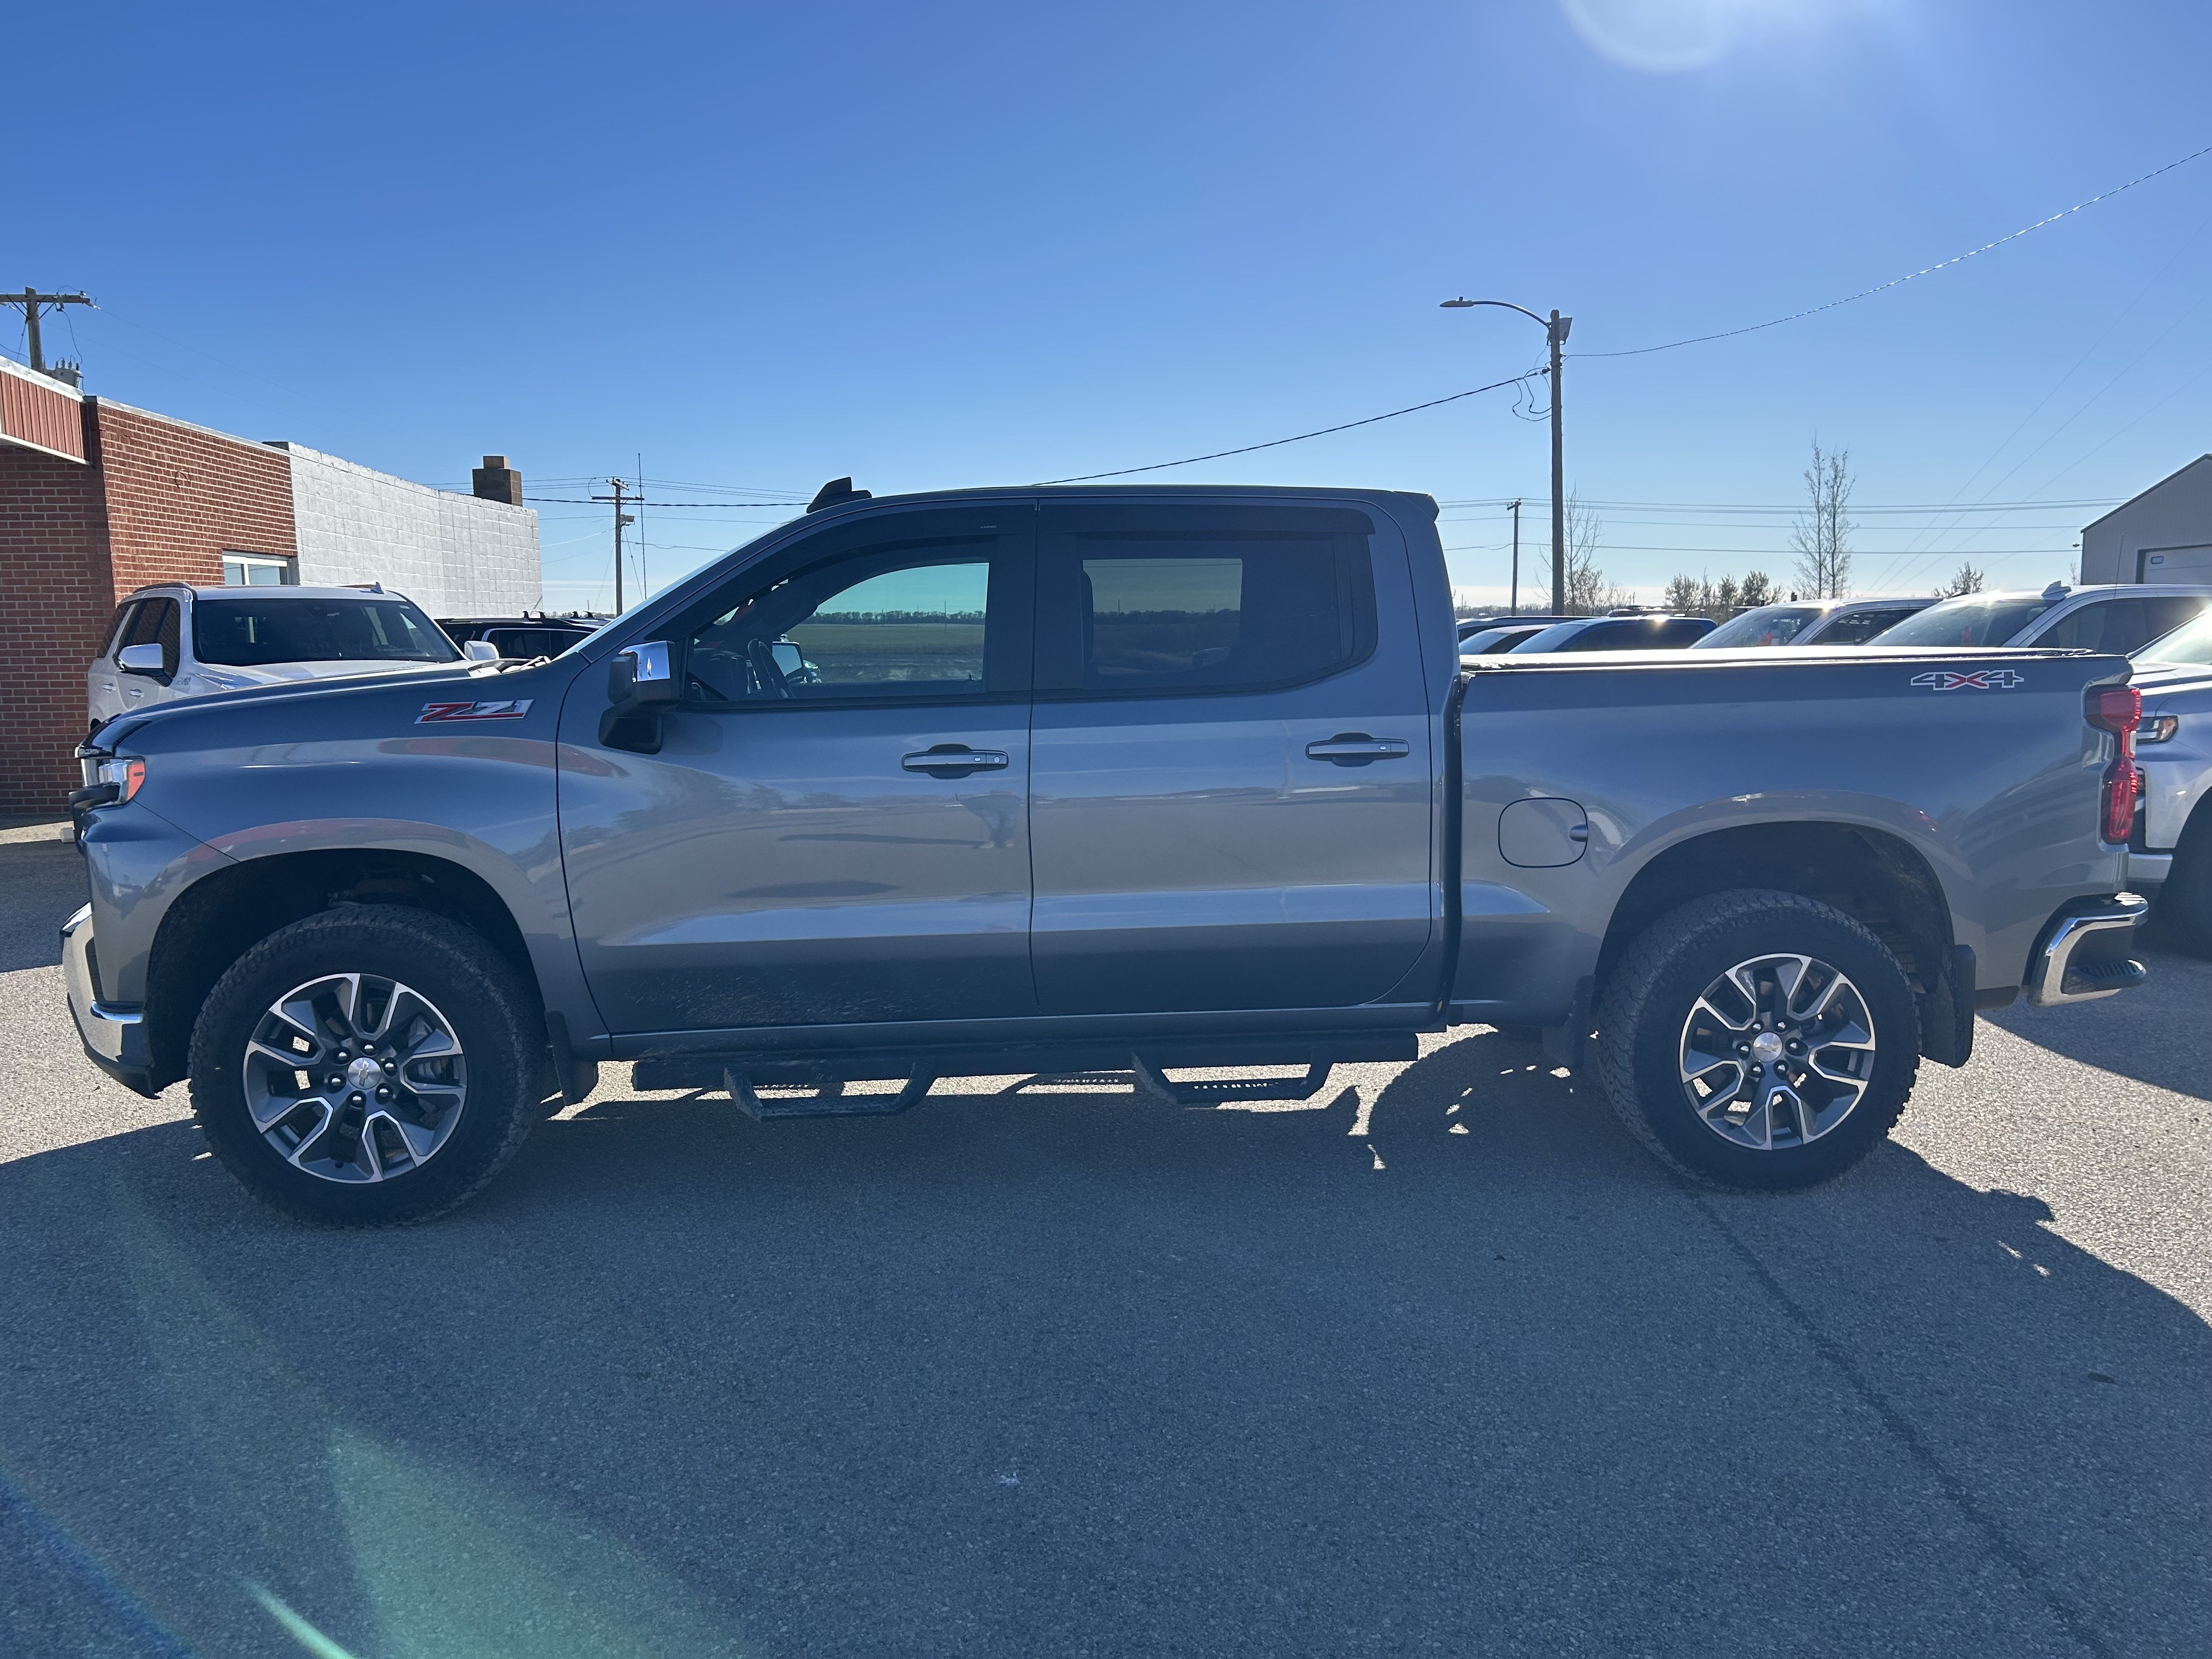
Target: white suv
[(2118, 618), (171, 640)]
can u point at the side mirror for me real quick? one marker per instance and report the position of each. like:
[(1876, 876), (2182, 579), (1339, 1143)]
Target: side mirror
[(141, 659), (480, 651), (641, 682)]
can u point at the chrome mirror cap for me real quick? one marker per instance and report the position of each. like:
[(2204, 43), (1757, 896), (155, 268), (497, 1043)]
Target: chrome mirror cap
[(139, 659), (648, 662)]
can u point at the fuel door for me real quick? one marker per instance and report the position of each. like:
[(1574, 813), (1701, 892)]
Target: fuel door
[(1542, 833)]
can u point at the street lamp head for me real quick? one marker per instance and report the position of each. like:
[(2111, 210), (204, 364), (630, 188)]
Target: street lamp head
[(1454, 305)]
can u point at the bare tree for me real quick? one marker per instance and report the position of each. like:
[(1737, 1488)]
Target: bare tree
[(1968, 580), (1823, 534), (1587, 591)]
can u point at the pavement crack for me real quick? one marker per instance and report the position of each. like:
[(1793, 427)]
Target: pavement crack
[(1902, 1429)]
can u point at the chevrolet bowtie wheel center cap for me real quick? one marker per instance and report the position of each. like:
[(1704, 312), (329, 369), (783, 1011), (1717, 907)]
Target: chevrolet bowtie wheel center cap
[(1766, 1049)]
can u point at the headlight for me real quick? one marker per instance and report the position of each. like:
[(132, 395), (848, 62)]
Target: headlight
[(2157, 728), (125, 776)]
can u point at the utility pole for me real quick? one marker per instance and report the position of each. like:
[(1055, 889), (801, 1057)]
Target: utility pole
[(1557, 335), (620, 486), (1515, 607), (31, 302)]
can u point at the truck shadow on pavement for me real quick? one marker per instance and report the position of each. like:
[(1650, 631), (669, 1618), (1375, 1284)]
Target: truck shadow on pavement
[(2156, 1034), (1031, 1373)]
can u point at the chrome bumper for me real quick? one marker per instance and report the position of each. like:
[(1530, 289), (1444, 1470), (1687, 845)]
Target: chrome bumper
[(2079, 959), (113, 1037)]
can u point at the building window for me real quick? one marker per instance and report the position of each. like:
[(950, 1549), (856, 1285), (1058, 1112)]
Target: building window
[(256, 570)]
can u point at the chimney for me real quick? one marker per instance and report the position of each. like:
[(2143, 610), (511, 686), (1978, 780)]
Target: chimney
[(495, 481)]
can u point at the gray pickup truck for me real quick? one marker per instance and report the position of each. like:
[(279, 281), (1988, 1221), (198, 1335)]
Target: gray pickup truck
[(1051, 779)]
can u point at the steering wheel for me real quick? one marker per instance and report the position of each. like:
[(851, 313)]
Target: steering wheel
[(760, 657)]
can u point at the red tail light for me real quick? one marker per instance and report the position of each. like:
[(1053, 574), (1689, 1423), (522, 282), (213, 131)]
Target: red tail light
[(2121, 785), (2118, 709), (2113, 708)]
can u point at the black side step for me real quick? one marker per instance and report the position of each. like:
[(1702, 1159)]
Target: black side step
[(1152, 1080), (828, 1099)]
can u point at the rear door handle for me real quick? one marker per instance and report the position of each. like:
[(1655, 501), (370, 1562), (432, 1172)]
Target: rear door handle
[(956, 760), (1358, 749)]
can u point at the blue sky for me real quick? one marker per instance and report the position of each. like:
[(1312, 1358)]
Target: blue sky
[(764, 245)]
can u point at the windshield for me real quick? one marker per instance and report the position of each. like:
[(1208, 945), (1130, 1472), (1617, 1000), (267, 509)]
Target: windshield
[(2191, 643), (253, 633), (1968, 621), (1771, 624)]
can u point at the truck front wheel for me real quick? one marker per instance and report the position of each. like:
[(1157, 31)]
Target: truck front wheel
[(1757, 1039), (367, 1065)]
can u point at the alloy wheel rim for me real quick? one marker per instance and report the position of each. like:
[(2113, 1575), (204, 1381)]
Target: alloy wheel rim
[(355, 1078), (1777, 1052)]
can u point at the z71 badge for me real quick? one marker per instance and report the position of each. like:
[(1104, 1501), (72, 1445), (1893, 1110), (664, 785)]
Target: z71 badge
[(1981, 679), (439, 713)]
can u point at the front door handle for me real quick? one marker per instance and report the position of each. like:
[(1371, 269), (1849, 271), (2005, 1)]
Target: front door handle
[(1358, 749), (956, 760)]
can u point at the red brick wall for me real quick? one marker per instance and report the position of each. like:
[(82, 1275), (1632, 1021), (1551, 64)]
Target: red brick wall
[(55, 595), (179, 497)]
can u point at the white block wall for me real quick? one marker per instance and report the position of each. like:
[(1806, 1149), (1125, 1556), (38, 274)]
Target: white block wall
[(455, 555)]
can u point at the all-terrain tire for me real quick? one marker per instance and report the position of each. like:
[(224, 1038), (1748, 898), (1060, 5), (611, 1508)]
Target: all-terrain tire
[(1636, 1056), (492, 1017)]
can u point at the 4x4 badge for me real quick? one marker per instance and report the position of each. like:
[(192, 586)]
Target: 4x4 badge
[(437, 714), (1980, 680)]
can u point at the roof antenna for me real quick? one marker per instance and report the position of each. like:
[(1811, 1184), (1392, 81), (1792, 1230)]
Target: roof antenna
[(835, 493)]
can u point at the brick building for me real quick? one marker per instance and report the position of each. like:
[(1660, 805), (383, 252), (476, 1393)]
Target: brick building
[(98, 498)]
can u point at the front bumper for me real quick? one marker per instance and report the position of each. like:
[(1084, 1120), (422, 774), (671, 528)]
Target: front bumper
[(2082, 953), (114, 1036)]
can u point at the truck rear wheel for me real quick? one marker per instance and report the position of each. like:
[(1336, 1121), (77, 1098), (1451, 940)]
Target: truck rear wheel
[(1757, 1040), (367, 1065)]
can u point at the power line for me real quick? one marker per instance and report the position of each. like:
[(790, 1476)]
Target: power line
[(1896, 282), (1276, 443)]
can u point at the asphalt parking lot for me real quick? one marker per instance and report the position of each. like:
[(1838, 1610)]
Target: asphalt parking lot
[(1445, 1364)]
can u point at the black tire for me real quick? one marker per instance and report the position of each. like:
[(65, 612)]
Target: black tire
[(2182, 905), (492, 1017), (1646, 1009)]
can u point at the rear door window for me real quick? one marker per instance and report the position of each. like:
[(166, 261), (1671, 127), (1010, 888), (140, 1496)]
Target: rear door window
[(1139, 599), (2118, 625)]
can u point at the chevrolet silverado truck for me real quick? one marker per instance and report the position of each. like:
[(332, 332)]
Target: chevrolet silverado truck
[(1149, 779)]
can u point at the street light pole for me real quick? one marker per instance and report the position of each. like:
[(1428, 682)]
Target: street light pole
[(1555, 330)]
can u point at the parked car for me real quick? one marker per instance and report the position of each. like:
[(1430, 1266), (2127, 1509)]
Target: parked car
[(1812, 621), (1616, 632), (1471, 625), (170, 641), (2171, 860), (1495, 642), (1088, 777), (524, 637), (2112, 618)]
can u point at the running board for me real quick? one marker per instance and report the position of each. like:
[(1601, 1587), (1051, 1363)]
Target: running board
[(1152, 1080), (828, 1100)]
